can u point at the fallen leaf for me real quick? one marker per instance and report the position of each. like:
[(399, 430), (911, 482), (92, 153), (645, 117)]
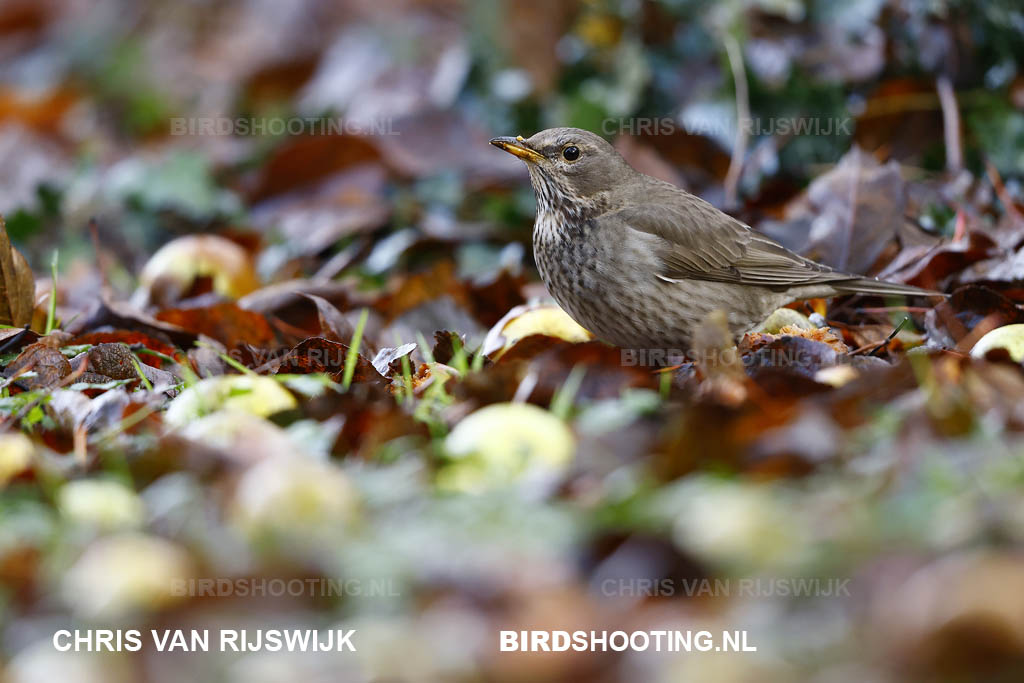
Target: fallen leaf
[(855, 210), (132, 339), (423, 287), (796, 354), (445, 343), (388, 360), (13, 339), (953, 319), (17, 284), (530, 31), (225, 322), (304, 160), (323, 355), (49, 364), (333, 325), (929, 267), (122, 315), (1002, 268), (113, 360)]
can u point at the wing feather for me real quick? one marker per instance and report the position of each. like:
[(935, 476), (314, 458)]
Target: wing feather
[(700, 242)]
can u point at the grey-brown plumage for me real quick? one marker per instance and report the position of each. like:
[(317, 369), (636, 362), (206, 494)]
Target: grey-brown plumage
[(640, 262)]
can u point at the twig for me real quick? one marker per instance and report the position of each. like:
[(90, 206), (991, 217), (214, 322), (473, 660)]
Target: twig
[(960, 230), (892, 335), (898, 309), (851, 214), (102, 263), (739, 145), (950, 124), (997, 183)]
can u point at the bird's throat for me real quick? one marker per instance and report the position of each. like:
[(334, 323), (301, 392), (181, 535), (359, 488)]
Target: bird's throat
[(558, 201)]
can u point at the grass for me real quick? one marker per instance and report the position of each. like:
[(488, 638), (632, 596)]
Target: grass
[(563, 400), (353, 351), (51, 311), (142, 376), (459, 360), (231, 362)]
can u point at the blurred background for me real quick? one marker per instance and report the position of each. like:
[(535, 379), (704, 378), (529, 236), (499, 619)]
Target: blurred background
[(96, 95), (346, 142)]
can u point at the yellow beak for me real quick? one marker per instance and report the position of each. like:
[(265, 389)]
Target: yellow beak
[(517, 146)]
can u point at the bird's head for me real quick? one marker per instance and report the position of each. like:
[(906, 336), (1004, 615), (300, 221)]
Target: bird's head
[(568, 165)]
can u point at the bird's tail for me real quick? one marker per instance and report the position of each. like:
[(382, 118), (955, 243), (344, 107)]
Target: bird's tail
[(867, 285)]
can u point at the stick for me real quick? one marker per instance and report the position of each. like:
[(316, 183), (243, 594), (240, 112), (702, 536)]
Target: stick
[(739, 146), (950, 124), (892, 335)]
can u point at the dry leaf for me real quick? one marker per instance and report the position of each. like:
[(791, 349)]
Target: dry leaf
[(225, 322), (17, 285), (50, 366), (854, 211)]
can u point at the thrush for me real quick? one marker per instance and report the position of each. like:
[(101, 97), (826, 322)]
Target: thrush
[(641, 263)]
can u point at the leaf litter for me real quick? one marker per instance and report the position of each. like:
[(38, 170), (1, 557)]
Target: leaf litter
[(315, 378)]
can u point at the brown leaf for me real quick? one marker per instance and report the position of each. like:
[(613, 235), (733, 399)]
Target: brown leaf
[(131, 338), (422, 287), (225, 322), (41, 111), (278, 80), (14, 338), (317, 354), (894, 119), (492, 300), (1004, 268), (305, 160), (121, 315), (113, 360), (531, 30), (675, 155), (928, 267), (333, 325), (856, 209), (49, 364), (952, 320), (606, 371), (444, 345), (17, 284)]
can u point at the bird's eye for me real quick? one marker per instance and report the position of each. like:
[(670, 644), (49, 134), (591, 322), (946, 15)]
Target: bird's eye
[(571, 153)]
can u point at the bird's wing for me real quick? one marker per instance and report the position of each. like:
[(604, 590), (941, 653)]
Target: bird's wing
[(700, 242)]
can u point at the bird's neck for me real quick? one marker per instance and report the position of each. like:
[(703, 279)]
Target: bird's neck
[(560, 203)]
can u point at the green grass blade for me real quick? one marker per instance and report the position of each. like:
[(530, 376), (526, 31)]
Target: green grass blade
[(51, 311), (562, 401), (353, 351)]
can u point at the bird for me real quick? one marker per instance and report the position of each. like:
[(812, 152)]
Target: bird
[(641, 263)]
